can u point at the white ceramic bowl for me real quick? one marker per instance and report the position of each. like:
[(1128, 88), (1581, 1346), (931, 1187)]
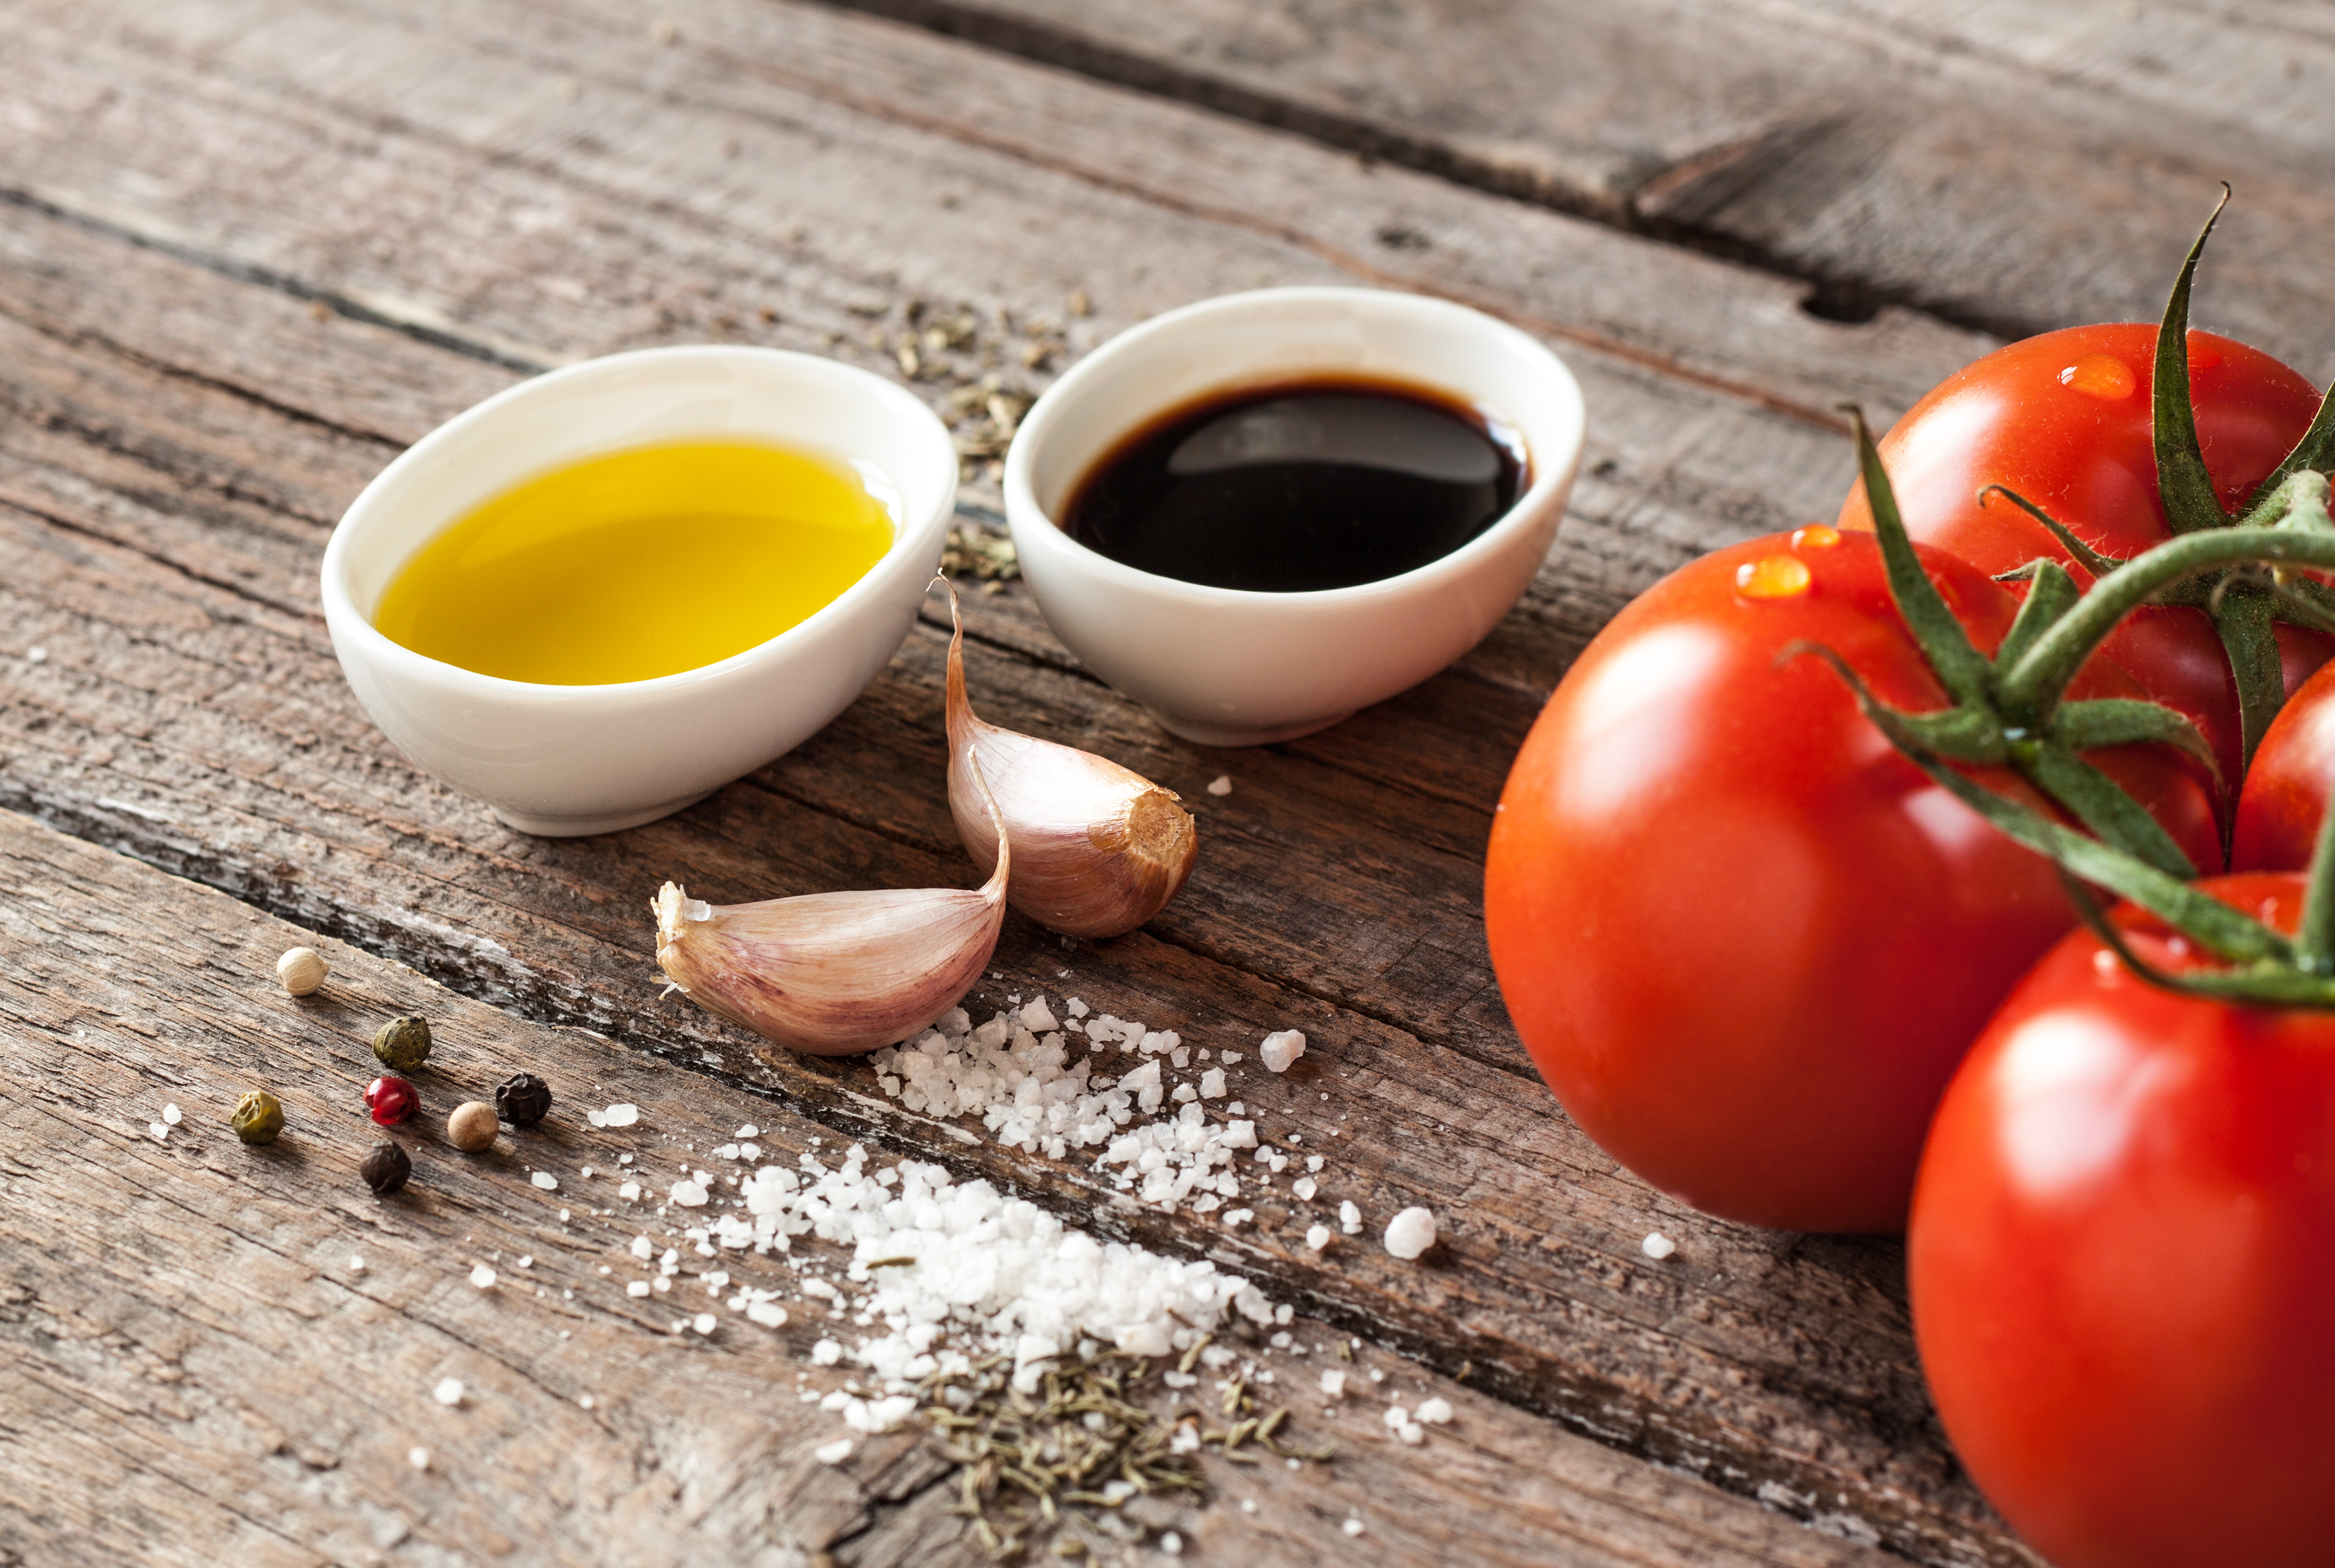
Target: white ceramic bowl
[(562, 760), (1229, 667)]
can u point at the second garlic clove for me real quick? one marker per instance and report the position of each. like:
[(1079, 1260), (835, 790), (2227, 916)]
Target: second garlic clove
[(1098, 849)]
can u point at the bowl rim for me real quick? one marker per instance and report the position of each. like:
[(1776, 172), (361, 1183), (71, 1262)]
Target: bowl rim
[(1549, 478), (344, 618)]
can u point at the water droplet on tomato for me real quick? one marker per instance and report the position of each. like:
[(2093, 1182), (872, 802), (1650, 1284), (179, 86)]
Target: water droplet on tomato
[(2100, 375), (1772, 577), (1815, 536), (2203, 355)]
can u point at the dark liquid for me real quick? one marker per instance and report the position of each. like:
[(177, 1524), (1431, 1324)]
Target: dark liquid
[(1320, 484)]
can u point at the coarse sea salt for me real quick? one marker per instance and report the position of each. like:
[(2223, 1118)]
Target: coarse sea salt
[(1022, 1085), (1658, 1247), (449, 1392), (966, 1272), (1410, 1233), (1281, 1050)]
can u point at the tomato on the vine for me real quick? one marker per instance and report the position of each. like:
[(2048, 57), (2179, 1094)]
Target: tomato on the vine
[(2286, 790), (1744, 940), (2065, 420), (2123, 1260)]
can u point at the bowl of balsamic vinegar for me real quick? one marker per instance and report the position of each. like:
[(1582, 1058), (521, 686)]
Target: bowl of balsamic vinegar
[(1259, 513)]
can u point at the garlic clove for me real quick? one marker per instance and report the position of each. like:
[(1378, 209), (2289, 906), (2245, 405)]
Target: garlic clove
[(1097, 849), (833, 973)]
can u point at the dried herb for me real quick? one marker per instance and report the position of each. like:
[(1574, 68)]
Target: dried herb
[(1068, 1456)]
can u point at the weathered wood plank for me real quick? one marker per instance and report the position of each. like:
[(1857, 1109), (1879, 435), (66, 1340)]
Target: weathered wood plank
[(194, 1373), (184, 715), (2019, 167), (175, 472)]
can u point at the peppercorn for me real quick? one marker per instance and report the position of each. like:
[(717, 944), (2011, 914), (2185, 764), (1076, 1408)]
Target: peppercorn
[(523, 1099), (391, 1100), (472, 1126), (302, 970), (258, 1117), (385, 1168), (402, 1044)]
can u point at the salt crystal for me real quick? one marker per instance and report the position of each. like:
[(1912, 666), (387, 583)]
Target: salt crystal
[(727, 1151), (1333, 1384), (1658, 1247), (586, 1400), (546, 1180), (482, 1276), (173, 1115), (1435, 1411), (1212, 1083), (1221, 785), (158, 1129), (826, 1353), (769, 1314), (526, 1261), (1317, 1236), (418, 1457), (629, 1191), (1038, 1017), (623, 1114), (1411, 1432), (1172, 1544), (1280, 1050), (357, 1265), (1313, 1161), (704, 1322), (637, 1289), (749, 1131), (1304, 1188), (597, 1117), (448, 1391), (687, 1194), (1349, 1218), (1396, 1416), (1352, 1527), (643, 1247), (1410, 1233), (834, 1453)]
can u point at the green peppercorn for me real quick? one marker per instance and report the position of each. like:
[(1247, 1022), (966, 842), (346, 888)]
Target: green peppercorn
[(402, 1044), (258, 1117), (523, 1099), (387, 1168)]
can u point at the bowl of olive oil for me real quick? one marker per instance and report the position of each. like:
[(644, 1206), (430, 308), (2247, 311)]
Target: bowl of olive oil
[(600, 595)]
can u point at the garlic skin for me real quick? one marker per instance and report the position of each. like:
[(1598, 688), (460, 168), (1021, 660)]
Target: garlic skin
[(1097, 849), (832, 974)]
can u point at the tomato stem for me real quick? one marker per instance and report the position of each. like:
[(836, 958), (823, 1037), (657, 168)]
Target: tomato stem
[(2304, 537), (2183, 485)]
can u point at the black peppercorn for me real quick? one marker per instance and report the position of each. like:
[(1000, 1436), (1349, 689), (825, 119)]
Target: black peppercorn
[(387, 1168), (522, 1099), (402, 1044)]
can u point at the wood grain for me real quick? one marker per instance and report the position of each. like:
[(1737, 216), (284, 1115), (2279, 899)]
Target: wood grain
[(183, 713), (195, 1370), (2015, 167), (198, 374)]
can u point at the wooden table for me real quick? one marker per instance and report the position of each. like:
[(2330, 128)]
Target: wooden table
[(248, 251)]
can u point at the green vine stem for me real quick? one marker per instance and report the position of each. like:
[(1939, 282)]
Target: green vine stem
[(2305, 537)]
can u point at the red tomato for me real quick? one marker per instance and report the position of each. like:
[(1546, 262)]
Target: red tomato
[(2064, 419), (2123, 1263), (1744, 940), (2286, 788)]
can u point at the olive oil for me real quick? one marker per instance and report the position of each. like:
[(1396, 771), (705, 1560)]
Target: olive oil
[(1315, 484), (638, 564)]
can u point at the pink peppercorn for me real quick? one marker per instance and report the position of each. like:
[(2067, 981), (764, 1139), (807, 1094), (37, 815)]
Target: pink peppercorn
[(391, 1100)]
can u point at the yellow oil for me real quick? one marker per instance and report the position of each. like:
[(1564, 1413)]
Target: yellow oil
[(638, 564)]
